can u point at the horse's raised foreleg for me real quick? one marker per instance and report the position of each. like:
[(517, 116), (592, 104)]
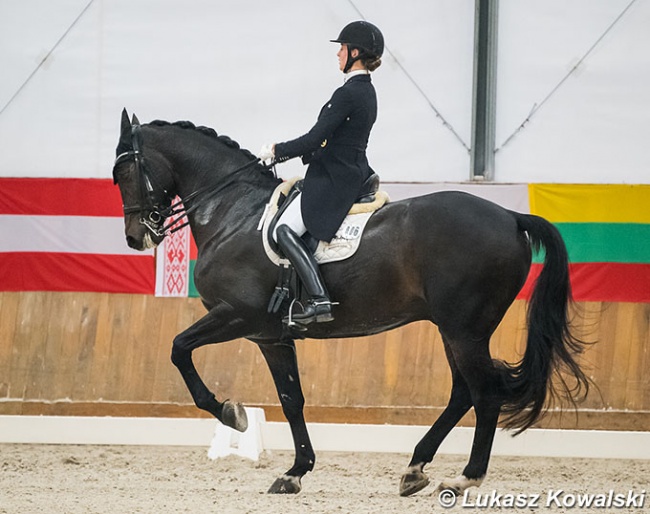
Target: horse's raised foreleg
[(281, 358), (209, 329), (460, 402)]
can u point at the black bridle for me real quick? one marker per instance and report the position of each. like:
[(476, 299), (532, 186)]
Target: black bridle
[(158, 215)]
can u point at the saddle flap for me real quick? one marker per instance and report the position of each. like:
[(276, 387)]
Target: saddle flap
[(345, 242)]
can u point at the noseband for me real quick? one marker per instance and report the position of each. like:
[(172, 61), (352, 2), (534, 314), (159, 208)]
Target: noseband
[(157, 215)]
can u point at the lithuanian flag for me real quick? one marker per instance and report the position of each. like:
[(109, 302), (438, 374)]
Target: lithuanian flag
[(607, 231)]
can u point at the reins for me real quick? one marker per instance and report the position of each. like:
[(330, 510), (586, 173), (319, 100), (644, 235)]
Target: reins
[(202, 193), (178, 208)]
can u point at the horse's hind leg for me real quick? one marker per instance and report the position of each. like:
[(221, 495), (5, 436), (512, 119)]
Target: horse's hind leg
[(472, 357), (281, 358), (460, 402)]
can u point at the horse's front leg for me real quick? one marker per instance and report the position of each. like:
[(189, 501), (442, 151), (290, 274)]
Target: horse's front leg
[(282, 361), (212, 328)]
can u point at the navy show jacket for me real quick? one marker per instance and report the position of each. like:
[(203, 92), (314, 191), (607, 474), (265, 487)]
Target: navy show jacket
[(335, 150)]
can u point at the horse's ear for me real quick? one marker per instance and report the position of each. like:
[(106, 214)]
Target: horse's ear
[(135, 120), (126, 124), (125, 134)]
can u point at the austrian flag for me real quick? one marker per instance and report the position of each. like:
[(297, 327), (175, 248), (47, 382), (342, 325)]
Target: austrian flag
[(68, 235)]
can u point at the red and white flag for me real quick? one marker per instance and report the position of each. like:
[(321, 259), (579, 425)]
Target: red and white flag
[(68, 235)]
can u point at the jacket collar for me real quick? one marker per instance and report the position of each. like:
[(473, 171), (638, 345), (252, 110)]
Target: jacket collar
[(356, 73)]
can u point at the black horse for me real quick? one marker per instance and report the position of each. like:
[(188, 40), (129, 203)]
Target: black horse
[(450, 258)]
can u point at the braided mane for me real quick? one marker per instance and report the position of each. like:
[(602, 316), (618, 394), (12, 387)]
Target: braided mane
[(207, 131)]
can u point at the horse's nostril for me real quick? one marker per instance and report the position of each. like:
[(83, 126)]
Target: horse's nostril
[(131, 241)]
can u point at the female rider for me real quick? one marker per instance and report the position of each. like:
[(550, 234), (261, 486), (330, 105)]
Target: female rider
[(335, 150)]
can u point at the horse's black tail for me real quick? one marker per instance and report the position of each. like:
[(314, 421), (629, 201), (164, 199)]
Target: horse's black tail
[(550, 348)]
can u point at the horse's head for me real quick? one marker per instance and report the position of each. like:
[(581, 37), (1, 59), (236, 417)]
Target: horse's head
[(146, 185)]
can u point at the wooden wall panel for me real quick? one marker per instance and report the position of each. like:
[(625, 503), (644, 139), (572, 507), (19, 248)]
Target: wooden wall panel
[(109, 354)]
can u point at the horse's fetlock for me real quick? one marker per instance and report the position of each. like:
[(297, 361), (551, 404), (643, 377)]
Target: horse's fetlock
[(307, 460), (207, 402), (471, 478), (416, 467), (422, 454)]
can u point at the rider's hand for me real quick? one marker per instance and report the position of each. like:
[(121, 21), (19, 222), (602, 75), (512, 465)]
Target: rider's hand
[(267, 153)]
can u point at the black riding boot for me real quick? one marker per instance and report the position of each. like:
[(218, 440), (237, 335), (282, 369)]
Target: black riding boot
[(319, 306)]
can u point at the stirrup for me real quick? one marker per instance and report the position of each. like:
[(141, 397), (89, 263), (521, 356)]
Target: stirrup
[(290, 322), (319, 311)]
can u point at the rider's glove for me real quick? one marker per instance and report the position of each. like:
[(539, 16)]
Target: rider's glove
[(267, 153)]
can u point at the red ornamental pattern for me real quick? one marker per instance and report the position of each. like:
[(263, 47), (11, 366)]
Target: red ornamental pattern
[(175, 250)]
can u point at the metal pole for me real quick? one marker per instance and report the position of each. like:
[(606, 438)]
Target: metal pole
[(485, 87)]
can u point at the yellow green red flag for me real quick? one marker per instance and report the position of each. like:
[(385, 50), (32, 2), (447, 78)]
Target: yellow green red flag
[(606, 228)]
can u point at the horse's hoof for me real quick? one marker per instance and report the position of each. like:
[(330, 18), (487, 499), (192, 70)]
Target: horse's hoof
[(286, 485), (234, 416), (444, 487), (412, 482)]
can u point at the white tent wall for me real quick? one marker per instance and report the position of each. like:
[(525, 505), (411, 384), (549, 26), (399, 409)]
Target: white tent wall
[(595, 127), (259, 72), (256, 71)]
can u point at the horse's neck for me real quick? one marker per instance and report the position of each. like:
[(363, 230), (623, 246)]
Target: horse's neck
[(230, 192), (232, 200)]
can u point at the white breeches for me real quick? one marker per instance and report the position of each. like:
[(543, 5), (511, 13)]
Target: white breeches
[(292, 217)]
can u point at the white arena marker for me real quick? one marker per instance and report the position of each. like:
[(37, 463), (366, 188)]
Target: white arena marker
[(249, 444)]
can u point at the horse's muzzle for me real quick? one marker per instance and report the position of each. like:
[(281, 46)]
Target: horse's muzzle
[(147, 242), (133, 243)]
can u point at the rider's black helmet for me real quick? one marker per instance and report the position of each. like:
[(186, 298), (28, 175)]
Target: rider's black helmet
[(364, 36)]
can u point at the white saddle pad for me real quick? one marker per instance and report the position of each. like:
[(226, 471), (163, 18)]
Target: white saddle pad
[(347, 238)]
